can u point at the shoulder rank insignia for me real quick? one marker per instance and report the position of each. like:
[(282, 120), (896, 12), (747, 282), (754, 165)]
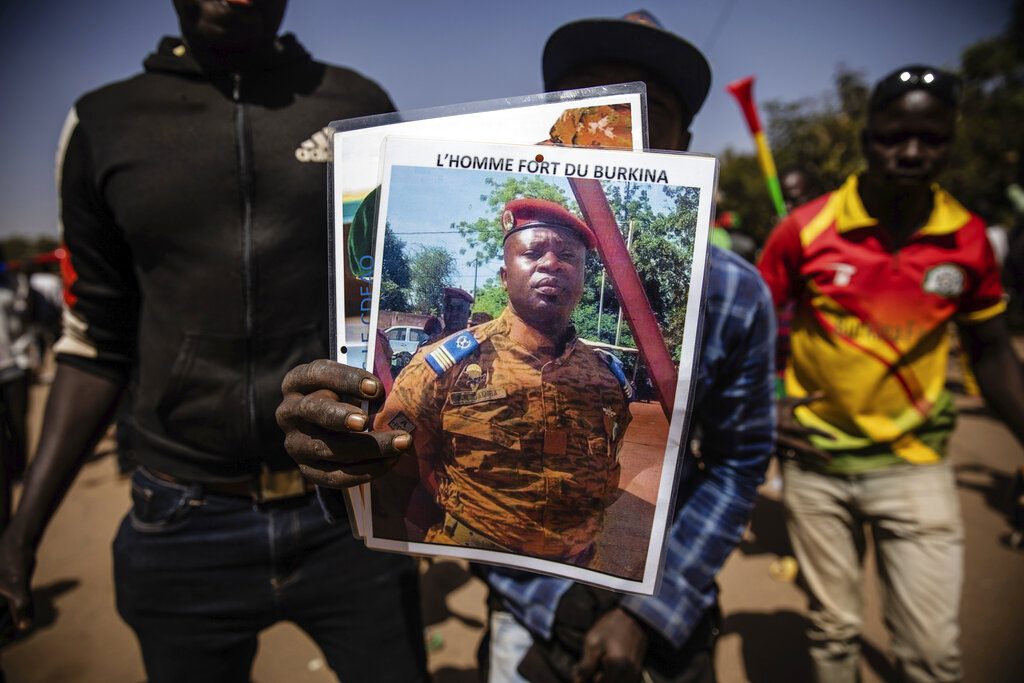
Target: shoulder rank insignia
[(615, 365), (451, 351)]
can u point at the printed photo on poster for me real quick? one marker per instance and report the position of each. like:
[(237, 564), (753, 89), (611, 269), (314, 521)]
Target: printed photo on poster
[(606, 116), (546, 415)]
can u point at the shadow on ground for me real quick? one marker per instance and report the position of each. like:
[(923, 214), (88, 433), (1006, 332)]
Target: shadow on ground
[(775, 647), (994, 486), (45, 613), (451, 675), (767, 530), (439, 581)]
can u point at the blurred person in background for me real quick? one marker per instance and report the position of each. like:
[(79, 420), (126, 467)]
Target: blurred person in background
[(798, 187), (455, 305), (15, 343), (193, 225), (877, 269), (545, 629)]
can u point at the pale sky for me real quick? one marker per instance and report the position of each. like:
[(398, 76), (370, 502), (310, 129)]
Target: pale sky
[(448, 51)]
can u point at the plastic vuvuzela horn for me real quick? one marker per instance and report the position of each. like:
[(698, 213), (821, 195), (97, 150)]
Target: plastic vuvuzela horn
[(743, 91)]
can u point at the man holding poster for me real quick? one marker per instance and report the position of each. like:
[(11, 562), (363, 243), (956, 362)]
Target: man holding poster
[(548, 629), (518, 420)]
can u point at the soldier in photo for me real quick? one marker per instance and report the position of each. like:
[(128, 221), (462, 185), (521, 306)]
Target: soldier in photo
[(520, 422), (455, 305)]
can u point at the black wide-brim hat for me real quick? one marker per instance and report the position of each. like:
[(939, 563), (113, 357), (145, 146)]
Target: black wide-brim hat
[(636, 39)]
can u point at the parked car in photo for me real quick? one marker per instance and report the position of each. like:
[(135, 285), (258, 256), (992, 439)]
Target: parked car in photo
[(405, 338)]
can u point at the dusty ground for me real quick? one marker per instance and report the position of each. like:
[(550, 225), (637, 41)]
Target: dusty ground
[(79, 636)]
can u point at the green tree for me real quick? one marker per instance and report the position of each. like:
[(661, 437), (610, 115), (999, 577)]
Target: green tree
[(742, 190), (661, 247), (662, 252), (484, 236), (822, 135), (432, 269), (491, 298), (18, 247), (396, 275), (987, 153)]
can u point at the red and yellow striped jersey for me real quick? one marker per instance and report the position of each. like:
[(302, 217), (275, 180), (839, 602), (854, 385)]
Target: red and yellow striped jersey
[(870, 331)]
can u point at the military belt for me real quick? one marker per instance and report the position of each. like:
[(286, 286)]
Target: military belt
[(465, 536)]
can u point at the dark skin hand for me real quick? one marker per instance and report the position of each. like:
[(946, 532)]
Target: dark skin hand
[(71, 427), (613, 650), (326, 429), (792, 439)]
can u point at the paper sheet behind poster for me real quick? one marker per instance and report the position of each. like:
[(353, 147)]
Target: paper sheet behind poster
[(610, 116), (531, 455)]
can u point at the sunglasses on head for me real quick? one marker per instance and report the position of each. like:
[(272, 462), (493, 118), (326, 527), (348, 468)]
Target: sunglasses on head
[(939, 83)]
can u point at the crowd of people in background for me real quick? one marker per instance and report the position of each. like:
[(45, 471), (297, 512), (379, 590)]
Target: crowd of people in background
[(30, 305), (826, 345)]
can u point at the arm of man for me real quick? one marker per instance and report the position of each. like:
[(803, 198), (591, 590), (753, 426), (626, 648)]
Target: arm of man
[(779, 265), (94, 356), (737, 415), (71, 427), (998, 370)]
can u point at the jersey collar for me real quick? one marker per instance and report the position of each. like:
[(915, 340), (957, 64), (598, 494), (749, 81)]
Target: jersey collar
[(947, 215)]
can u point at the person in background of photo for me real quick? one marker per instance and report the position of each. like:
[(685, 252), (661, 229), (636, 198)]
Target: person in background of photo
[(878, 269), (455, 306), (798, 187), (433, 329), (545, 629), (194, 229), (479, 318), (519, 421)]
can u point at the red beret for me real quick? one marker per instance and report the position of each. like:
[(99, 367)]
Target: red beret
[(520, 214), (457, 293)]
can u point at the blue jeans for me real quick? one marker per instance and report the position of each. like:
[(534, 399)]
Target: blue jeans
[(198, 576)]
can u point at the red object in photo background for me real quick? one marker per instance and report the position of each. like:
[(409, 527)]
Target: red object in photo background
[(636, 308)]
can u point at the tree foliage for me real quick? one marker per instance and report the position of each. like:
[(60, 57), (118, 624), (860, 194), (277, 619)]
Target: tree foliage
[(661, 246), (484, 235), (822, 135), (987, 154), (491, 298), (432, 269), (396, 274), (18, 247)]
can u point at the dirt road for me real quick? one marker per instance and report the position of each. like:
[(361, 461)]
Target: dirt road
[(80, 638)]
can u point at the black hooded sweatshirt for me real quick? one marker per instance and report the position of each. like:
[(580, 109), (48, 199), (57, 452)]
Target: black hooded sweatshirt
[(194, 211)]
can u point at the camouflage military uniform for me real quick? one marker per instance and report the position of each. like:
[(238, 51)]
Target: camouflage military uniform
[(524, 451)]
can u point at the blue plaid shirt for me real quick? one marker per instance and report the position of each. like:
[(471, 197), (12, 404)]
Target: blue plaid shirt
[(735, 409)]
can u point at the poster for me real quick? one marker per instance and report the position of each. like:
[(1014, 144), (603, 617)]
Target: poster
[(547, 432), (607, 116)]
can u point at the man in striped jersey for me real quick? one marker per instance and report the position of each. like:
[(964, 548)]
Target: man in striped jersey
[(878, 269)]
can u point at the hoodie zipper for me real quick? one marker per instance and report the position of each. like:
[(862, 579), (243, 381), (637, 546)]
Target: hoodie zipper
[(245, 189)]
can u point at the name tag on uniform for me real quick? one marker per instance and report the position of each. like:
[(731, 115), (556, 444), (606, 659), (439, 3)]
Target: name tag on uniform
[(465, 398)]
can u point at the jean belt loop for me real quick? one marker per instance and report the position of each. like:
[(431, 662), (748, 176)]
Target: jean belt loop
[(194, 494)]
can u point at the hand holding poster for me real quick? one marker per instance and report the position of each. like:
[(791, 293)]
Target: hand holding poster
[(531, 450)]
